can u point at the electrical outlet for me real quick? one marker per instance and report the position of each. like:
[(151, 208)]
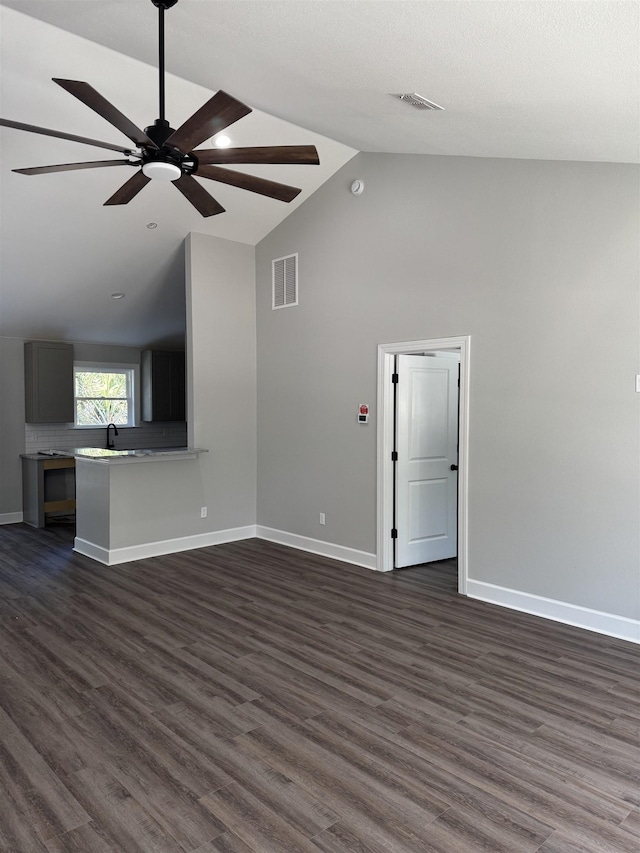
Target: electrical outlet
[(203, 512), (322, 519)]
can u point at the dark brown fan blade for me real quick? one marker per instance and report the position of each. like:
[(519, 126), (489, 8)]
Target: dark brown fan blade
[(70, 167), (45, 131), (88, 95), (198, 196), (129, 189), (282, 192), (289, 154), (219, 112)]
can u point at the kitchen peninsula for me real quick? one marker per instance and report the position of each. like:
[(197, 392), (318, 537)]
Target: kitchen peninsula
[(132, 504)]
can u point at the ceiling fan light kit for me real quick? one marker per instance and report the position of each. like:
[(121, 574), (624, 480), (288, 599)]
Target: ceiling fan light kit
[(165, 154), (161, 171)]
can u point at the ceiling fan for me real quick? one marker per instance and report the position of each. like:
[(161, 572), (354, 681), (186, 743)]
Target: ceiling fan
[(162, 153)]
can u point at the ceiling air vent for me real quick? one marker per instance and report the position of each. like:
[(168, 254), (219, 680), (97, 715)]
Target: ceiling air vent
[(285, 281), (418, 101)]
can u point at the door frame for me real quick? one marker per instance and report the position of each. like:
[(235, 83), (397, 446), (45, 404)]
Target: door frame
[(386, 354)]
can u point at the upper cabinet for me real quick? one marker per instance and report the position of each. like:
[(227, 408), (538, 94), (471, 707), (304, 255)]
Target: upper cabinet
[(48, 369), (163, 386)]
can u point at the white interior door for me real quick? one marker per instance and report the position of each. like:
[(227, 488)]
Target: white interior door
[(427, 446)]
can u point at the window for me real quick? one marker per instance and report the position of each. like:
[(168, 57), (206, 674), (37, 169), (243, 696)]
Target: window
[(104, 394)]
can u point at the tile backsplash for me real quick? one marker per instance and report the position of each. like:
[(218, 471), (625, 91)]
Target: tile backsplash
[(65, 436)]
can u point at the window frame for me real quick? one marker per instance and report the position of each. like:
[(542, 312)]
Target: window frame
[(132, 372)]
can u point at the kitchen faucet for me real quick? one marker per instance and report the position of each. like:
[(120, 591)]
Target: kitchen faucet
[(110, 442)]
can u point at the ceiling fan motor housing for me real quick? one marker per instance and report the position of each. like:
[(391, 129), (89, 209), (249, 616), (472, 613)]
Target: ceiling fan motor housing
[(158, 133)]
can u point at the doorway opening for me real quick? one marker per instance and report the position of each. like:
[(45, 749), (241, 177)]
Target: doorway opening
[(387, 529)]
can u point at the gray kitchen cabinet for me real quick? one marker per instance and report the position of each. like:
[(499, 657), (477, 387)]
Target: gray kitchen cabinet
[(163, 386), (48, 371)]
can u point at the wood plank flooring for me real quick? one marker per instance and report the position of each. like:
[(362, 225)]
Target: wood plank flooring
[(249, 698)]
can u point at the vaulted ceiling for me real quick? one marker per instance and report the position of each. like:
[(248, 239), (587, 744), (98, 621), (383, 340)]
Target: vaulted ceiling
[(544, 80)]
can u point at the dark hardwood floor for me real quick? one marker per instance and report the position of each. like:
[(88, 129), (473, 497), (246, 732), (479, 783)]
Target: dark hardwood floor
[(249, 698)]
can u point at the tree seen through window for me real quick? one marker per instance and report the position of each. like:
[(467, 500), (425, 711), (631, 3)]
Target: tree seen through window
[(102, 397)]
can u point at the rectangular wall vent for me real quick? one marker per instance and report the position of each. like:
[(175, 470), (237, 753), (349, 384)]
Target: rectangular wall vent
[(285, 281), (418, 101)]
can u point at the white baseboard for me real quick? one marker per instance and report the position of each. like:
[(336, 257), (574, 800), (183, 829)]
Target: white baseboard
[(11, 517), (317, 546), (114, 556), (88, 549), (619, 627)]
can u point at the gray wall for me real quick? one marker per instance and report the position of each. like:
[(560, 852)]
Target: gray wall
[(221, 377), (538, 262), (11, 426)]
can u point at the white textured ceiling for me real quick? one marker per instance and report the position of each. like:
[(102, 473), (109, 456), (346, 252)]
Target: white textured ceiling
[(547, 80), (544, 80)]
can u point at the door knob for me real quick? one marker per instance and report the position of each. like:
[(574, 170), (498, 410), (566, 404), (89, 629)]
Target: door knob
[(454, 467)]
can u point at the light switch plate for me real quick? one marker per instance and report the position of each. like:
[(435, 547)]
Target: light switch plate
[(638, 383)]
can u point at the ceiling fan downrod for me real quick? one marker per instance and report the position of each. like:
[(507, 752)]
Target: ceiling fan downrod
[(160, 130), (161, 5)]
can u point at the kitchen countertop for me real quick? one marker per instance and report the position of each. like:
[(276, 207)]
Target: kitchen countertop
[(100, 454)]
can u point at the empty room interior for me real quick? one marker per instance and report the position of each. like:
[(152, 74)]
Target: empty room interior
[(320, 477)]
